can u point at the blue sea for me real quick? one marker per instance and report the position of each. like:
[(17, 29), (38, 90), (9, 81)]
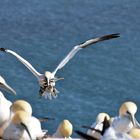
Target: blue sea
[(98, 79)]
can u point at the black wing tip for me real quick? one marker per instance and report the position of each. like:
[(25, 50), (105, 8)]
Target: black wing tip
[(3, 49), (85, 136), (110, 36), (115, 35), (44, 119), (81, 134)]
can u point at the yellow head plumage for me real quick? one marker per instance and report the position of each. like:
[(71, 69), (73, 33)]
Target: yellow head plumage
[(21, 105), (48, 75), (130, 107), (21, 117), (101, 116), (66, 128)]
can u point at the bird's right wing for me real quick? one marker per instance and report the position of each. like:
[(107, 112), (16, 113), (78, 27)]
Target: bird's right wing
[(23, 61)]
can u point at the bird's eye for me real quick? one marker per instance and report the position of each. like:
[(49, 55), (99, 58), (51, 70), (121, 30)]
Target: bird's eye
[(128, 112)]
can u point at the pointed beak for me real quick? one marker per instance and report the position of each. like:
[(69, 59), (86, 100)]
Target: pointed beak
[(25, 127), (7, 88), (134, 121)]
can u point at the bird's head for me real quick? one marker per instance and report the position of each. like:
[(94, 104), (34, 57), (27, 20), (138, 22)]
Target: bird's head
[(129, 109), (5, 86), (51, 78), (49, 75), (101, 116), (21, 105), (66, 128)]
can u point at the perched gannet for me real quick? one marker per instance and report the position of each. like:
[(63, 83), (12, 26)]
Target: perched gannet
[(18, 129), (108, 133), (105, 126), (48, 79), (126, 120), (35, 129), (4, 105), (34, 125), (64, 130), (98, 125)]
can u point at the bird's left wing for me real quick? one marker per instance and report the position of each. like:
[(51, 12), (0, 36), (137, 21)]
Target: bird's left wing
[(22, 60), (82, 46)]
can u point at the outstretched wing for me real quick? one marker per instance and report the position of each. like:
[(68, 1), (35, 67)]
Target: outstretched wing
[(23, 61), (82, 46)]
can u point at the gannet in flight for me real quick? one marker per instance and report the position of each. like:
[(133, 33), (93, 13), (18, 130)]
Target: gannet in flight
[(48, 79)]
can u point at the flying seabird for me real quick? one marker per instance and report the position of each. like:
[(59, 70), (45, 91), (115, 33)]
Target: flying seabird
[(48, 79)]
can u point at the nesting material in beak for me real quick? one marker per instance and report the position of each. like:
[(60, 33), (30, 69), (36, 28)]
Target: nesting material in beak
[(57, 79)]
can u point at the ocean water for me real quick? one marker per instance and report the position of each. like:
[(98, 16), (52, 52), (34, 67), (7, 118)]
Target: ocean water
[(98, 79)]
